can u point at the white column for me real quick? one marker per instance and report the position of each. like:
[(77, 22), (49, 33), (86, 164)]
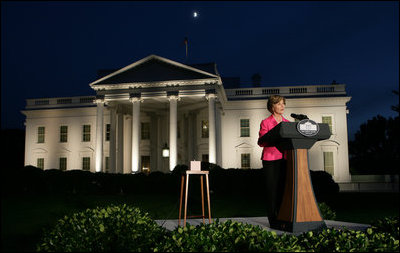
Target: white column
[(212, 147), (113, 147), (173, 129), (218, 134), (99, 135), (120, 142), (155, 142), (135, 133), (190, 140), (127, 144)]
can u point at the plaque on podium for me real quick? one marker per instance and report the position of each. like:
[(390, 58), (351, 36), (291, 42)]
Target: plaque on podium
[(299, 211)]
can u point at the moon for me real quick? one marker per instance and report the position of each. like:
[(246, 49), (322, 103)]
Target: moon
[(195, 14)]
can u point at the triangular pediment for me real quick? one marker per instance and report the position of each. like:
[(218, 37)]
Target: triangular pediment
[(244, 145), (39, 150), (153, 69)]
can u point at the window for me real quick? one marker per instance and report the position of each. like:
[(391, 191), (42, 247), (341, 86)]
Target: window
[(328, 162), (107, 164), (145, 130), (86, 133), (64, 101), (63, 133), (245, 161), (108, 130), (41, 131), (42, 102), (204, 158), (40, 163), (327, 120), (146, 164), (63, 163), (86, 163), (86, 100), (204, 129), (244, 128)]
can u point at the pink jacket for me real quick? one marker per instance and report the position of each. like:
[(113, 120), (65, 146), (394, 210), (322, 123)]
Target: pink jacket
[(270, 153)]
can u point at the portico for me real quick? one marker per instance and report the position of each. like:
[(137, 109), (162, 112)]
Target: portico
[(170, 108)]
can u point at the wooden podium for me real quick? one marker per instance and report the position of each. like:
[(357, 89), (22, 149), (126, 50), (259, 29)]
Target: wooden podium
[(299, 211)]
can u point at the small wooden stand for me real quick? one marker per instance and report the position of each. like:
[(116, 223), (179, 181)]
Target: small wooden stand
[(187, 174)]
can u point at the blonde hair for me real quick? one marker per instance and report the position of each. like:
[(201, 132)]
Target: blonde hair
[(274, 99)]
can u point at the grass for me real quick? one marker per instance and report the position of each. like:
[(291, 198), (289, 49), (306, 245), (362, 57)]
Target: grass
[(23, 218), (364, 207)]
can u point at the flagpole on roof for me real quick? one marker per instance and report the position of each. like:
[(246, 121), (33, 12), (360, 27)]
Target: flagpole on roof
[(186, 45)]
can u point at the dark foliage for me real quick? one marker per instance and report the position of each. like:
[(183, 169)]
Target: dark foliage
[(375, 149), (324, 185), (239, 182), (119, 228), (114, 228), (14, 142), (180, 169)]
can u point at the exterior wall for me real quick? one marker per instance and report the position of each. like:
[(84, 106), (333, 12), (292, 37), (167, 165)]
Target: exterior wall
[(191, 145), (75, 149), (162, 134), (52, 149), (201, 143), (371, 183), (232, 144), (314, 108)]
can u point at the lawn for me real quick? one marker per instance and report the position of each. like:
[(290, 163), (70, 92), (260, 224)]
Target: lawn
[(24, 217)]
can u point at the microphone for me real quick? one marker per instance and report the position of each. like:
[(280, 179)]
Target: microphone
[(298, 116)]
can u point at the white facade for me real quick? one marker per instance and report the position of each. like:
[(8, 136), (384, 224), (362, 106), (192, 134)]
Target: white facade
[(130, 122)]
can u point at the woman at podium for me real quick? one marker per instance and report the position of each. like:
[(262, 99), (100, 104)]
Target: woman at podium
[(273, 160)]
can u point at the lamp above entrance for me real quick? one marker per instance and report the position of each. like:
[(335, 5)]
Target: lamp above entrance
[(165, 150)]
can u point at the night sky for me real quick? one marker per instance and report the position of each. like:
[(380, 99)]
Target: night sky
[(54, 49)]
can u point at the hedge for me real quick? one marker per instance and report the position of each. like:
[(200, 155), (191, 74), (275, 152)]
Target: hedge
[(113, 228), (126, 228), (222, 181)]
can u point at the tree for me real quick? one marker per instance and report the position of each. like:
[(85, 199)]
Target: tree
[(375, 149), (395, 107)]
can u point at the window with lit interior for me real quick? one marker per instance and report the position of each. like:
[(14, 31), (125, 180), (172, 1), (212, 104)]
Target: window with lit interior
[(244, 128)]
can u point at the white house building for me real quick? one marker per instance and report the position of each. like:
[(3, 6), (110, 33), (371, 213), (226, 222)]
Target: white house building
[(156, 102)]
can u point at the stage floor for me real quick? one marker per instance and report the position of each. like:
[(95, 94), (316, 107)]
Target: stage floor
[(262, 222)]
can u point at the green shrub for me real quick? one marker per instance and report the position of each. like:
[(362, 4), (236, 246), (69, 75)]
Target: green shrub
[(229, 236), (124, 228), (232, 236), (326, 212), (348, 241), (222, 182), (113, 228), (387, 225), (179, 170), (323, 185), (22, 180)]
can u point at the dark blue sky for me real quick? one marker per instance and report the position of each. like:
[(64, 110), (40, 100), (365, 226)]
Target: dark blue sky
[(54, 49)]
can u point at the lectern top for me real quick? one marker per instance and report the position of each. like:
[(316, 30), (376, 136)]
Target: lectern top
[(285, 136), (289, 130)]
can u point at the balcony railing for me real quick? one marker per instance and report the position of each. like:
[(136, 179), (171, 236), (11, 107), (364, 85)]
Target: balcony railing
[(60, 102), (287, 91), (241, 93)]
